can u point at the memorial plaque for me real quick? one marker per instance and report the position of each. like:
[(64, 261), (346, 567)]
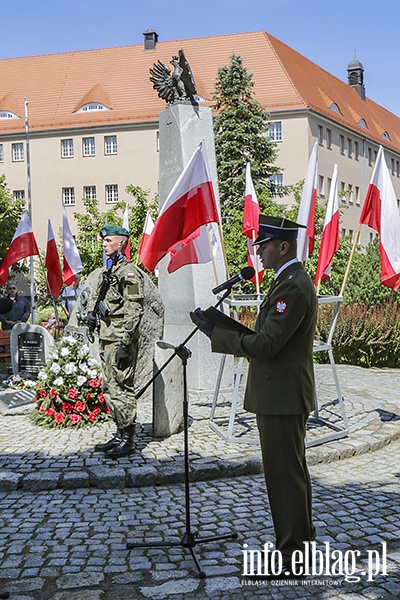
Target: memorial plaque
[(16, 401), (30, 346)]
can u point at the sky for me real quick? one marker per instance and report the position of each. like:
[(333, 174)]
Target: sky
[(324, 31)]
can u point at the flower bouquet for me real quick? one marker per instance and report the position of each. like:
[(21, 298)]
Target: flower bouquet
[(68, 392)]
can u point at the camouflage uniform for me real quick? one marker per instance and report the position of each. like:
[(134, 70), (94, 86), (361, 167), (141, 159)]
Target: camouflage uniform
[(124, 304)]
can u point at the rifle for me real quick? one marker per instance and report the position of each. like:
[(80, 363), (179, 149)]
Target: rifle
[(99, 307)]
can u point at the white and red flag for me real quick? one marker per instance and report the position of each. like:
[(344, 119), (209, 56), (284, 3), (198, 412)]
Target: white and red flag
[(250, 226), (190, 204), (54, 274), (380, 212), (22, 245), (306, 237), (125, 223), (147, 230), (330, 233), (198, 248), (72, 260)]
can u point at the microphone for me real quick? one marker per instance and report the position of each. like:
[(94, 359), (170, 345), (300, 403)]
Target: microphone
[(245, 273)]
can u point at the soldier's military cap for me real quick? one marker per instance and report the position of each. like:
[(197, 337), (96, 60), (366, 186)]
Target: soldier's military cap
[(113, 230), (278, 228)]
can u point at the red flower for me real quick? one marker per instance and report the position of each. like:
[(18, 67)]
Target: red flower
[(42, 393), (49, 412), (80, 406), (67, 407), (94, 383), (92, 417), (22, 384), (73, 394), (75, 418), (41, 408), (53, 393), (96, 410), (108, 411), (87, 397), (101, 398), (59, 418)]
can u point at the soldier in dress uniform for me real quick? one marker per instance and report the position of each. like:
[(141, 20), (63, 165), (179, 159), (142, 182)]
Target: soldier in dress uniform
[(120, 316), (280, 386)]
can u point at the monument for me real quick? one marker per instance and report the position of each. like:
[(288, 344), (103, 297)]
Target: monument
[(29, 347), (183, 125)]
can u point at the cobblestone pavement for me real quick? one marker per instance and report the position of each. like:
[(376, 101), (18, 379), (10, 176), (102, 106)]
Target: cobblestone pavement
[(67, 513)]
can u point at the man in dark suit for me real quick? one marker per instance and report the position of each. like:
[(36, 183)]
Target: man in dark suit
[(280, 386)]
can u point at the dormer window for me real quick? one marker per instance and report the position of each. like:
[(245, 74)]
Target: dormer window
[(6, 114), (385, 135), (92, 106), (363, 123), (335, 108)]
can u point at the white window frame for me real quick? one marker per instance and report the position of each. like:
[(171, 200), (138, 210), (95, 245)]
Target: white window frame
[(277, 182), (88, 146), (67, 148), (68, 196), (111, 193), (18, 152), (18, 195), (110, 144), (92, 106), (275, 131), (89, 192)]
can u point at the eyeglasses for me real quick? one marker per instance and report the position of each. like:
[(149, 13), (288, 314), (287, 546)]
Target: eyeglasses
[(12, 288)]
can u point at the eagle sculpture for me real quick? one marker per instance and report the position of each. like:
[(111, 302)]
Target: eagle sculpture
[(178, 85)]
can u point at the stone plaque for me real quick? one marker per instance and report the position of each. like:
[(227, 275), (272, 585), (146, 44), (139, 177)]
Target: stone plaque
[(29, 349), (16, 401)]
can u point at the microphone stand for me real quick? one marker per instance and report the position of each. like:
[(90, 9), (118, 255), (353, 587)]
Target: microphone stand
[(190, 538)]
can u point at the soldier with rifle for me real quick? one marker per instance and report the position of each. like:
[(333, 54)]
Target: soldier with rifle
[(115, 314)]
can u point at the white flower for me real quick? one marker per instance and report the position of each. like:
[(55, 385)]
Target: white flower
[(70, 368), (84, 350), (54, 355), (93, 373), (80, 380), (92, 362), (83, 367), (55, 368), (59, 381), (29, 383), (70, 340), (42, 374), (64, 352)]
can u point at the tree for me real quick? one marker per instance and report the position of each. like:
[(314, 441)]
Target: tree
[(10, 214)]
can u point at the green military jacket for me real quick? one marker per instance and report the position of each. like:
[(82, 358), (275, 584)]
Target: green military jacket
[(123, 303), (280, 379)]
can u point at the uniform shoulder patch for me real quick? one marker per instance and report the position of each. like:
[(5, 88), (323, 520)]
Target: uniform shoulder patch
[(281, 306), (131, 275)]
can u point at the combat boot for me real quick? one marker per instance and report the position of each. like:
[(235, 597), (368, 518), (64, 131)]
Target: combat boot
[(126, 445), (115, 440)]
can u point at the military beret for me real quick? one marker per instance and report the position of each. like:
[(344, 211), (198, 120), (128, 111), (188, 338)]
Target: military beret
[(114, 230), (277, 228)]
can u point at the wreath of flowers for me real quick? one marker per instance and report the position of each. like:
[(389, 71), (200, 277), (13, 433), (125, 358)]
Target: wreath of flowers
[(68, 390)]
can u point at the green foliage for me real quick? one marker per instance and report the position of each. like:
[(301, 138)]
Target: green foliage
[(241, 136), (10, 214)]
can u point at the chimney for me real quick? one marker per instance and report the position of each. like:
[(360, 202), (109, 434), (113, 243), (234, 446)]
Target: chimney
[(150, 39), (355, 75)]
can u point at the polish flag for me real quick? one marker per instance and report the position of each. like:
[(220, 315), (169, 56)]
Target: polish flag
[(147, 229), (380, 212), (195, 250), (54, 275), (22, 245), (190, 204), (306, 237), (72, 260), (253, 260), (125, 223), (251, 207), (330, 233)]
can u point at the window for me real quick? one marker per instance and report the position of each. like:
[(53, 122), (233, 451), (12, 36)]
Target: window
[(350, 189), (89, 148), (111, 193), (349, 147), (329, 139), (67, 148), (17, 152), (68, 196), (393, 167), (369, 156), (341, 144), (335, 108), (357, 195), (356, 151), (320, 135), (397, 168), (343, 232), (275, 131), (18, 195), (92, 106), (321, 185), (363, 123), (158, 142), (89, 192), (110, 144), (342, 189), (1, 153), (385, 135), (328, 186), (6, 114), (276, 184)]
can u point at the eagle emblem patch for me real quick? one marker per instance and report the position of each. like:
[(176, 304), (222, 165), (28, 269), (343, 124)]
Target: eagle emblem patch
[(281, 307)]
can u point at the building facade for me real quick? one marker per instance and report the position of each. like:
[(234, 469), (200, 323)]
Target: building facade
[(93, 122)]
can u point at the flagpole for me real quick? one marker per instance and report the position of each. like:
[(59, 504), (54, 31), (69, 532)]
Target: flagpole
[(28, 169), (212, 256), (350, 259), (256, 264), (223, 250)]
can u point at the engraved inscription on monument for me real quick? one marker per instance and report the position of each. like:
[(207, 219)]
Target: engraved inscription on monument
[(31, 353)]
